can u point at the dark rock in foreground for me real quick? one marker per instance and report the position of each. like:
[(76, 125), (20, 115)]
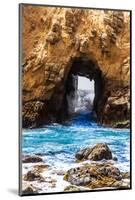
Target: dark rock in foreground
[(98, 152), (29, 190), (31, 159), (33, 176), (96, 176)]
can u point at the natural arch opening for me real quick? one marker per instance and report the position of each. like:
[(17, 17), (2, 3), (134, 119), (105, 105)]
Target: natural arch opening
[(84, 95), (59, 107), (81, 68), (80, 100)]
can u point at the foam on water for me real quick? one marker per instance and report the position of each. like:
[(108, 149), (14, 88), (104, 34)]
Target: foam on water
[(59, 143)]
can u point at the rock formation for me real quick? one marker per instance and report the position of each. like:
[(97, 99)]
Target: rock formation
[(61, 43), (98, 152), (32, 176), (96, 176), (31, 159), (29, 189)]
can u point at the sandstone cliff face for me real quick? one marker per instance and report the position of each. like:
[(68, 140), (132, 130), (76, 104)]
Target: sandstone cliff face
[(54, 43)]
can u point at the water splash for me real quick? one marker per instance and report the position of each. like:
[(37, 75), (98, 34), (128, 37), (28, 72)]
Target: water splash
[(59, 143), (80, 101), (84, 102)]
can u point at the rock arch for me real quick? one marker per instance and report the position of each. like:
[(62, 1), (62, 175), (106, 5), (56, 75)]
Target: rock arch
[(60, 39)]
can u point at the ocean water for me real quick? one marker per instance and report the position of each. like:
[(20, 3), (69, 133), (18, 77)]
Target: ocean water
[(58, 143)]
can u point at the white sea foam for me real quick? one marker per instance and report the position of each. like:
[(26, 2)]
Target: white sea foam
[(58, 145)]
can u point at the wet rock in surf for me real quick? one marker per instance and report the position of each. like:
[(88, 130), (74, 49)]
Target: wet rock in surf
[(98, 152), (125, 175), (31, 159), (33, 176), (58, 172), (29, 189), (73, 188), (96, 176), (40, 168), (123, 124)]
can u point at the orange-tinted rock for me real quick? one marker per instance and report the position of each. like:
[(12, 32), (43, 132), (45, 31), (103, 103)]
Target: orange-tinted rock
[(53, 39), (98, 152)]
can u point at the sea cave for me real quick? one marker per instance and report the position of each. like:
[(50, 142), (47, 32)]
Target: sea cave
[(75, 99)]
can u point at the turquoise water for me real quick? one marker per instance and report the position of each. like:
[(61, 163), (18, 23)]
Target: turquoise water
[(59, 143)]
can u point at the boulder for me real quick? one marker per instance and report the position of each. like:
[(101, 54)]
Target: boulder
[(29, 190), (40, 168), (95, 176), (80, 154), (110, 171), (98, 152), (33, 176), (31, 159)]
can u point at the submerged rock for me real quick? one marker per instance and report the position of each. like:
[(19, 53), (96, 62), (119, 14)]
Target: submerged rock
[(96, 176), (58, 172), (31, 159), (98, 152)]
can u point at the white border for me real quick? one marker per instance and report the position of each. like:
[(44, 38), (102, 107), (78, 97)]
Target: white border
[(9, 97)]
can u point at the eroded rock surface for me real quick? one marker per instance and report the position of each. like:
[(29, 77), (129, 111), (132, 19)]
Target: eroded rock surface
[(29, 189), (96, 176), (31, 159), (54, 40), (33, 176), (98, 152)]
